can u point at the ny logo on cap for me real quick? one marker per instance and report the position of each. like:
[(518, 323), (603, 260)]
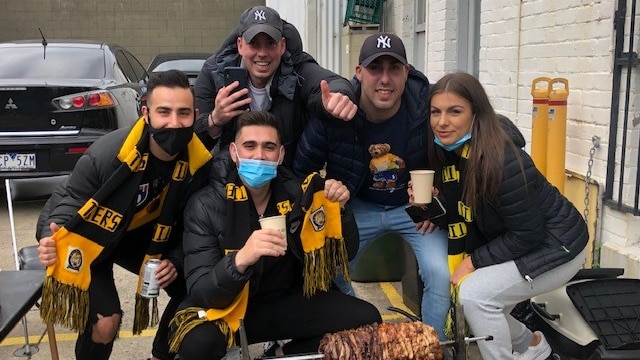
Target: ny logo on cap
[(259, 15), (384, 42)]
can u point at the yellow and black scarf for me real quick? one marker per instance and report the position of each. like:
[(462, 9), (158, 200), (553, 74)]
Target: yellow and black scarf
[(324, 250), (95, 230), (462, 232)]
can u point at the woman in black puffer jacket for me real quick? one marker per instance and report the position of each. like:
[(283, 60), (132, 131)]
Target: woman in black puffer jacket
[(512, 235)]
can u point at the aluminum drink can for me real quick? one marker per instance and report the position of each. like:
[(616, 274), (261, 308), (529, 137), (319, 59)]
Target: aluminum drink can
[(150, 288)]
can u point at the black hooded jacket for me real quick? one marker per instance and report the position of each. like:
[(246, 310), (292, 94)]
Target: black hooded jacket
[(212, 278), (93, 169), (529, 221), (295, 90)]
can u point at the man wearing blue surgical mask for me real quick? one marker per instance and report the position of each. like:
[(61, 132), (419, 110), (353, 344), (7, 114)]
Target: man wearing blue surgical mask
[(235, 270), (259, 171)]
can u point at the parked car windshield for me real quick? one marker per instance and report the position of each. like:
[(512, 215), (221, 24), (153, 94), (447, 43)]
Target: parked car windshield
[(66, 63), (182, 65)]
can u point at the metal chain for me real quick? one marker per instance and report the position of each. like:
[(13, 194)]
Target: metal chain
[(596, 145)]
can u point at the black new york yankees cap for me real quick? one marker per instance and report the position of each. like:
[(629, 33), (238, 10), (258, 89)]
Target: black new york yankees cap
[(260, 19), (380, 44)]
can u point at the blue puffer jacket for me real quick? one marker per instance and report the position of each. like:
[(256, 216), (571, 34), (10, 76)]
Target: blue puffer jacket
[(337, 143)]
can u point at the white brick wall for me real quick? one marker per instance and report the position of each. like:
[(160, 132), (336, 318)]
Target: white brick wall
[(441, 38)]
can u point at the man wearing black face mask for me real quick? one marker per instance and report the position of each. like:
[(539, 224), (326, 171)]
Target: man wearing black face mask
[(170, 140), (123, 204)]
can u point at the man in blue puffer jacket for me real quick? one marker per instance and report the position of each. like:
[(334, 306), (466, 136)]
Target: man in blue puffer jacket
[(373, 154)]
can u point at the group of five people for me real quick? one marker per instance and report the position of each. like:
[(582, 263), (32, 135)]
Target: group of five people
[(155, 191)]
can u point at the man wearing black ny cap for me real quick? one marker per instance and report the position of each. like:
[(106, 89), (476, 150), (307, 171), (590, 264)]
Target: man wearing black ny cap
[(372, 156), (283, 80)]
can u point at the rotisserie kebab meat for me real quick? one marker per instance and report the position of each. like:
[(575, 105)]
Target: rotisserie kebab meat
[(409, 340)]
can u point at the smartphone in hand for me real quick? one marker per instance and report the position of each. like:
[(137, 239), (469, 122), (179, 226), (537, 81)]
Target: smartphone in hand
[(236, 73), (426, 212)]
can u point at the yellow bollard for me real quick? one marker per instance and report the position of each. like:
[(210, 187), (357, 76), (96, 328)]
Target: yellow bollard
[(557, 132), (540, 93)]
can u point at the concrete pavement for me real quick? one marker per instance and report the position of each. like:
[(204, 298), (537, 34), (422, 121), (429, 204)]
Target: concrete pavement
[(128, 346)]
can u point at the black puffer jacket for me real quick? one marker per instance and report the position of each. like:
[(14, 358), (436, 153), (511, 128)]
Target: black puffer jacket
[(92, 170), (338, 142), (212, 278), (530, 222), (295, 90)]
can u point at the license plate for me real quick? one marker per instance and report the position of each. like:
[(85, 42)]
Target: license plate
[(17, 162)]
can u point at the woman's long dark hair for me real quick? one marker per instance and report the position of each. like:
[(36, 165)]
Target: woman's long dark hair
[(484, 168)]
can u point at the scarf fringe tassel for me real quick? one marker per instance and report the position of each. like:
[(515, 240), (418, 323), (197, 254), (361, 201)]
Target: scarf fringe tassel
[(450, 321), (187, 319), (64, 304), (321, 266), (141, 319)]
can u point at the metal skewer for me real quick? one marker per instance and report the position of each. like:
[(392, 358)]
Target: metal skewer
[(244, 344), (468, 340), (459, 342)]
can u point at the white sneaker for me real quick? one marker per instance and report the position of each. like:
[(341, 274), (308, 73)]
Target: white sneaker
[(269, 348), (539, 352)]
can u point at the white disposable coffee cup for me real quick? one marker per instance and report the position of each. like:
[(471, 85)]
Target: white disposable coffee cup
[(421, 185), (278, 222)]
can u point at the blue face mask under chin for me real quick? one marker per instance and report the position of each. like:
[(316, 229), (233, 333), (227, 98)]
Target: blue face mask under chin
[(256, 173), (455, 145), (460, 141)]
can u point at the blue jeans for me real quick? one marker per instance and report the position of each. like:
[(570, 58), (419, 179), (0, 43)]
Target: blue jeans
[(430, 250)]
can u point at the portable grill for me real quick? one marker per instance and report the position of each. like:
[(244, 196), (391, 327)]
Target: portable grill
[(595, 316), (458, 344)]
